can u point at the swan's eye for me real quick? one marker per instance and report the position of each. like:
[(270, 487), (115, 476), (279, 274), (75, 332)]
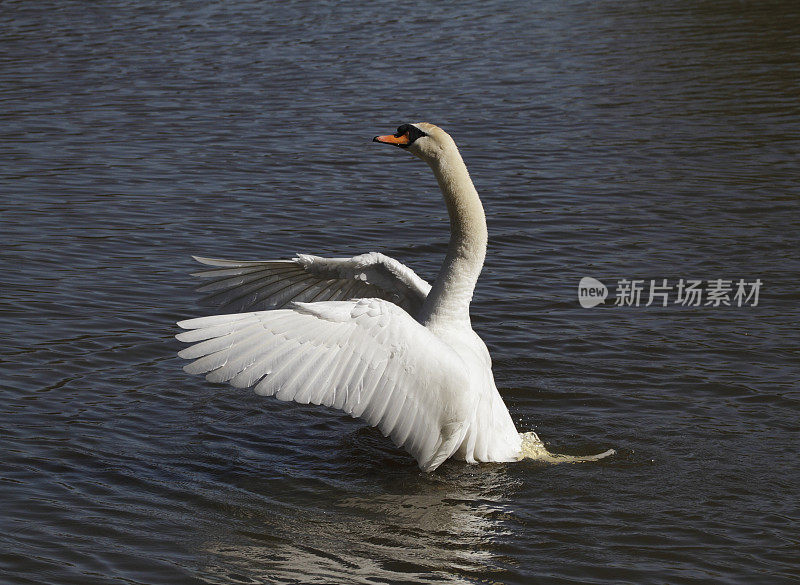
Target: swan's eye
[(404, 137)]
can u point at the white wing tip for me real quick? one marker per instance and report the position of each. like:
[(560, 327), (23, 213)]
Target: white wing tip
[(182, 336), (210, 320), (206, 261)]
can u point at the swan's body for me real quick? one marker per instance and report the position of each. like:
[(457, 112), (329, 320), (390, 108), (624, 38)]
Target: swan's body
[(367, 336)]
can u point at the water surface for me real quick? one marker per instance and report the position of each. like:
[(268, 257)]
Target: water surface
[(638, 140)]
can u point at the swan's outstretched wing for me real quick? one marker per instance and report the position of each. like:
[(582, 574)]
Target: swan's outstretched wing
[(272, 284), (366, 357)]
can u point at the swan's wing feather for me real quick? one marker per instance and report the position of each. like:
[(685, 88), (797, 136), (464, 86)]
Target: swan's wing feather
[(273, 284), (366, 357)]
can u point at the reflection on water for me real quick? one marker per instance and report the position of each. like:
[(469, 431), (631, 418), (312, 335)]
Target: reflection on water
[(440, 530), (613, 140)]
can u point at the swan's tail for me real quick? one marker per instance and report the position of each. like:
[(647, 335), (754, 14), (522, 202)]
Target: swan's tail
[(533, 448)]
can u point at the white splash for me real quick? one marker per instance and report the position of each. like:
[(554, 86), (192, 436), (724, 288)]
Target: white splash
[(533, 448)]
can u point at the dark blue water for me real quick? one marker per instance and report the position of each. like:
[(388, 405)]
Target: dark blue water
[(618, 140)]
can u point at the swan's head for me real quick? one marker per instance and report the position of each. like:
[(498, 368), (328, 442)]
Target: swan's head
[(424, 140)]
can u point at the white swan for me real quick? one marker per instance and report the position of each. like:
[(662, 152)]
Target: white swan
[(367, 336)]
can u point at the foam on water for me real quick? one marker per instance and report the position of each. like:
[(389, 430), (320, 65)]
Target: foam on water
[(533, 448)]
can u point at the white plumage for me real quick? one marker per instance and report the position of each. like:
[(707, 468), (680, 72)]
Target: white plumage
[(367, 336), (367, 357), (273, 284)]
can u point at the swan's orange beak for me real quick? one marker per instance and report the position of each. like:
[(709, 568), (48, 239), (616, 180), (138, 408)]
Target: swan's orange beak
[(392, 139)]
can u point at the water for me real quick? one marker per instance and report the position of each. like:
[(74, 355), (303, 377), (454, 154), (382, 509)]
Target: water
[(642, 140)]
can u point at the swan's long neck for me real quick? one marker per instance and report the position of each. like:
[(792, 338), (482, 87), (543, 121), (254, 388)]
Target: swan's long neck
[(448, 301)]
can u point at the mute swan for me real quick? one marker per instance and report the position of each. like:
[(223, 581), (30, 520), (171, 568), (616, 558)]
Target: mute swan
[(366, 335)]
